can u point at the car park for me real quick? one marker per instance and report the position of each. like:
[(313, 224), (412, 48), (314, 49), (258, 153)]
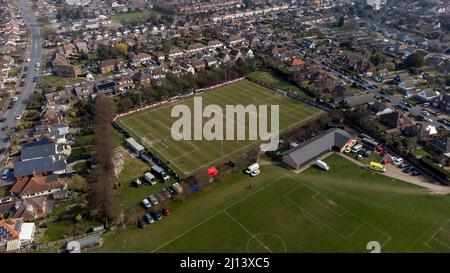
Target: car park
[(152, 199), (141, 223), (149, 178), (367, 153), (5, 173), (171, 190), (146, 203), (403, 165), (149, 218)]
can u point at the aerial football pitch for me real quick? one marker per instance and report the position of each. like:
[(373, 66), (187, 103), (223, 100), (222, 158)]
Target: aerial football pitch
[(152, 127), (346, 209)]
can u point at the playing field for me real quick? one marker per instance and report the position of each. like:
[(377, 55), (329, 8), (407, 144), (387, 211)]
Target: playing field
[(341, 210), (152, 127)]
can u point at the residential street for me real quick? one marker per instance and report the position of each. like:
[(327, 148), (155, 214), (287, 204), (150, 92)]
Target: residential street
[(35, 52)]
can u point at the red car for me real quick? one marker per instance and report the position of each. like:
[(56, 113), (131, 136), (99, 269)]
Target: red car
[(166, 212)]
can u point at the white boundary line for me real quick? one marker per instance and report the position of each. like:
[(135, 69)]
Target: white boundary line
[(220, 212), (327, 226), (248, 231), (433, 237)]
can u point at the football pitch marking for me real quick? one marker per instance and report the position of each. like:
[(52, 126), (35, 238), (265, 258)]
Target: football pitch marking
[(433, 237), (218, 213), (248, 231), (266, 233), (317, 220)]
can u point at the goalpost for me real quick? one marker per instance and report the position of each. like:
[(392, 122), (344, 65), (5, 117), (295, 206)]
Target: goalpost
[(147, 141)]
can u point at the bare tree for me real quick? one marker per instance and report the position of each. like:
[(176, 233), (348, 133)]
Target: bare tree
[(102, 195)]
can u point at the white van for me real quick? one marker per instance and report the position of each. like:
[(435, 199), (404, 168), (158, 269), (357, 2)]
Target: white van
[(322, 165), (252, 168), (150, 178), (357, 148)]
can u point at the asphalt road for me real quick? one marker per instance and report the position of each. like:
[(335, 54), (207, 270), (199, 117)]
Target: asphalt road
[(34, 54)]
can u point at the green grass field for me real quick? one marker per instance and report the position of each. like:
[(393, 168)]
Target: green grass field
[(276, 81), (336, 211), (154, 125)]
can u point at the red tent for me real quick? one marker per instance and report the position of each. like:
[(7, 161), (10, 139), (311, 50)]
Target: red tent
[(213, 171)]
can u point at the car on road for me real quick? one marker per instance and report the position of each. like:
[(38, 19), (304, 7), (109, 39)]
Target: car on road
[(35, 79), (382, 92), (14, 99), (17, 93), (425, 112), (5, 173), (152, 199), (141, 223), (149, 218), (426, 104), (18, 117), (428, 120), (146, 203)]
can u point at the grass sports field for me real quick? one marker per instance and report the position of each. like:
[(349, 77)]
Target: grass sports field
[(153, 126), (315, 211)]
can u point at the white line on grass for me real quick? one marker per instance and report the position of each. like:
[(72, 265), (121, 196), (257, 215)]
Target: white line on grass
[(248, 231), (222, 211)]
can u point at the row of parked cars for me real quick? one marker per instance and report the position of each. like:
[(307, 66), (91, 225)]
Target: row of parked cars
[(400, 163), (155, 199)]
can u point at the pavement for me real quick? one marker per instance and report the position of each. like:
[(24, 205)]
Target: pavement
[(396, 173), (34, 54)]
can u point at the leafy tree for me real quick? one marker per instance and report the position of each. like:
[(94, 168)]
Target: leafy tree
[(121, 49), (414, 60)]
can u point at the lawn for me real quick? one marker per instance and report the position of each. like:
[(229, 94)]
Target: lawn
[(336, 211), (152, 127), (58, 81), (133, 18), (276, 81), (130, 197)]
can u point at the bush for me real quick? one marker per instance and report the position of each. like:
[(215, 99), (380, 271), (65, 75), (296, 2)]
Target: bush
[(78, 183)]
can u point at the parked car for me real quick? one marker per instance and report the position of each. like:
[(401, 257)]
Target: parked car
[(141, 223), (149, 218), (18, 117), (153, 199), (166, 212), (146, 203), (428, 120), (157, 216), (408, 169), (171, 190), (367, 153), (397, 161), (415, 173), (6, 200), (5, 173), (166, 193), (403, 165)]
